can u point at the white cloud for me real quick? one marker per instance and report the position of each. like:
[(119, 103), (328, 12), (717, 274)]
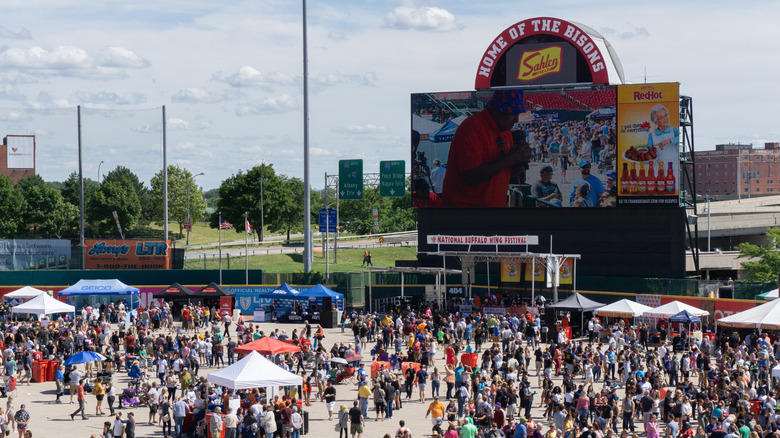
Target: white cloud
[(360, 130), (324, 80), (248, 76), (199, 95), (71, 61), (427, 18), (271, 105), (109, 97), (636, 32), (121, 58), (320, 152), (15, 116), (337, 36)]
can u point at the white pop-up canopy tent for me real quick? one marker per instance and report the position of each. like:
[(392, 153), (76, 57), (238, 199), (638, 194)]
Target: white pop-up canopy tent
[(776, 371), (254, 371), (623, 309), (765, 317), (43, 305), (24, 293), (673, 308)]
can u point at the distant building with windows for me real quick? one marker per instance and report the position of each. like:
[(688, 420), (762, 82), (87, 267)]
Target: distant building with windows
[(734, 170)]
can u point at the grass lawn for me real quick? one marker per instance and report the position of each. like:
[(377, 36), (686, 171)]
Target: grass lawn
[(349, 260)]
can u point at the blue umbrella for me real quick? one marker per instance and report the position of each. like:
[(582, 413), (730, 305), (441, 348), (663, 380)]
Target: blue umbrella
[(84, 357)]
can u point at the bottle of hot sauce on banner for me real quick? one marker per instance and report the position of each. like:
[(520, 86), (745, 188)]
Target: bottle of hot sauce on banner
[(641, 182), (632, 180), (671, 182), (660, 180), (651, 186), (624, 180)]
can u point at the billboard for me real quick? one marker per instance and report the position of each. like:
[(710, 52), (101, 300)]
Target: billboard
[(648, 144), (570, 132), (20, 254), (548, 63), (127, 254), (20, 151)]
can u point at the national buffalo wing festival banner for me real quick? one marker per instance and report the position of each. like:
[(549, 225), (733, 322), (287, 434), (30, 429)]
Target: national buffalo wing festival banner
[(127, 254)]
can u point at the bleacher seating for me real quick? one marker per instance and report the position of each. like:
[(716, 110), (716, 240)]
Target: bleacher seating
[(594, 99), (550, 101)]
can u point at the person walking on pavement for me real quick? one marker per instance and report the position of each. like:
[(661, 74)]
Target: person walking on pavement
[(82, 401)]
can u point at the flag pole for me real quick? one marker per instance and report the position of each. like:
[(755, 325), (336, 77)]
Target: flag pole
[(220, 248), (246, 245)]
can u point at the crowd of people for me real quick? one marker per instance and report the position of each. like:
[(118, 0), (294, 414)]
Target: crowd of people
[(471, 374)]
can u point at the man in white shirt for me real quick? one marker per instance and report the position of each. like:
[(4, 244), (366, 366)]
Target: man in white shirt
[(231, 424), (215, 423), (118, 429)]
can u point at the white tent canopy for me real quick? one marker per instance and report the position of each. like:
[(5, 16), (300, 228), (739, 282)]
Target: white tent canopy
[(623, 309), (673, 308), (776, 371), (765, 316), (43, 305), (25, 292), (254, 371)]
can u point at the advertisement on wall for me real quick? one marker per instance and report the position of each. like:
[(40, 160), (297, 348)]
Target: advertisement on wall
[(127, 254), (21, 151), (510, 271), (21, 254), (648, 140)]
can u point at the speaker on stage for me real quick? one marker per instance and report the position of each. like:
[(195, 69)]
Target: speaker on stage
[(327, 314)]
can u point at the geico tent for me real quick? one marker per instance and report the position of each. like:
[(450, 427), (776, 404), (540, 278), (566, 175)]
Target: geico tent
[(765, 317), (254, 371), (25, 292), (99, 287), (43, 305)]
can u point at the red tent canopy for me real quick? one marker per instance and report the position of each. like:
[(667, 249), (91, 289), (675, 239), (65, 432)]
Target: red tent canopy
[(267, 345)]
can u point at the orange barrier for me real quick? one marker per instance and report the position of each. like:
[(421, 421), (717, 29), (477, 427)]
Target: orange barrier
[(405, 366)]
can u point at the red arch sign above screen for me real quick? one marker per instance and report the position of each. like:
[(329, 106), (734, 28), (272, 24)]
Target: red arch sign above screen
[(544, 59)]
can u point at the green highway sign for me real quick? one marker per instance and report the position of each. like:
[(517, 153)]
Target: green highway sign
[(392, 178), (350, 179)]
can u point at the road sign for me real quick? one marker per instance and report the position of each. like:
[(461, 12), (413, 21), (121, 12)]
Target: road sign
[(328, 220), (392, 178), (350, 179), (187, 226)]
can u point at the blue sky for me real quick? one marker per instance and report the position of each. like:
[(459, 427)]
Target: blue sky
[(230, 74)]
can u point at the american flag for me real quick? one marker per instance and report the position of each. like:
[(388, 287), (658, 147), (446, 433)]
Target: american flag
[(224, 224), (247, 226)]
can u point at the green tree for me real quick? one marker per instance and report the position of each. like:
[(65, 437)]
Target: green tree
[(244, 192), (40, 210), (764, 261), (125, 176), (65, 221), (70, 189), (178, 181), (12, 206), (289, 202), (110, 197)]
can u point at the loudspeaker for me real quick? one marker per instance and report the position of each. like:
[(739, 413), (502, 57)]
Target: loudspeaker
[(327, 314)]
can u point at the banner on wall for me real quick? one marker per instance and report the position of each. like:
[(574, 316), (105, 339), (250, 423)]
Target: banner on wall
[(538, 270), (127, 254), (226, 305), (21, 254), (566, 271), (510, 271)]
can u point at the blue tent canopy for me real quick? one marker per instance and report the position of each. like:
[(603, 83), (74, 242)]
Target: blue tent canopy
[(99, 287), (685, 317), (283, 291), (319, 291), (447, 131)]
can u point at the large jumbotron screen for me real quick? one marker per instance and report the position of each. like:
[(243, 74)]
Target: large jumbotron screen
[(589, 146)]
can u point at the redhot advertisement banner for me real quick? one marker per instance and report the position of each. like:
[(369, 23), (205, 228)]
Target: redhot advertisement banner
[(648, 141), (226, 305), (127, 254)]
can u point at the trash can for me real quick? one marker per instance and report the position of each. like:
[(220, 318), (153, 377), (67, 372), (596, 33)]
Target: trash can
[(54, 365), (44, 370), (36, 370), (305, 422)]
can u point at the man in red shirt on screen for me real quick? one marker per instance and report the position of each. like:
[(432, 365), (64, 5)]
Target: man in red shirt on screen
[(483, 157)]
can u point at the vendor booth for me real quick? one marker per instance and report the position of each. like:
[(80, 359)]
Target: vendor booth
[(577, 304), (96, 292), (43, 305), (267, 346), (214, 295), (281, 302), (763, 317), (23, 294), (174, 292)]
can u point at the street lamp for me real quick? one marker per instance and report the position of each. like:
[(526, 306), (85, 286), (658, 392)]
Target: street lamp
[(101, 163), (189, 219), (707, 198)]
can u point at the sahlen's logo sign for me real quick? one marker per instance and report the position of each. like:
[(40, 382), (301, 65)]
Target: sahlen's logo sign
[(539, 63)]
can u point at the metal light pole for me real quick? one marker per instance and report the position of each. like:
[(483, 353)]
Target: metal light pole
[(101, 163), (708, 223), (307, 236), (189, 218), (262, 212)]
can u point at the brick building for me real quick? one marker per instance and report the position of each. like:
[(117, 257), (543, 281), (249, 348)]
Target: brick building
[(733, 170), (20, 150)]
